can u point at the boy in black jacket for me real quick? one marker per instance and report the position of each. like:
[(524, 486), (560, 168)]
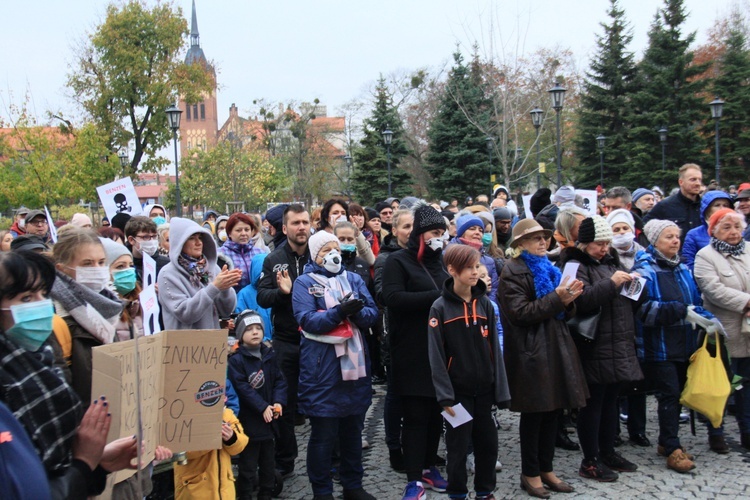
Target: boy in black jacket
[(262, 389)]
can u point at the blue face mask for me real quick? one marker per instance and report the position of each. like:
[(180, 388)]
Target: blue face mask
[(124, 280), (486, 239), (33, 324), (348, 248), (159, 220)]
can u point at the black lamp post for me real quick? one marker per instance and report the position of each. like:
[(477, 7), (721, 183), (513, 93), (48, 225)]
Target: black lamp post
[(387, 138), (173, 115), (558, 95), (348, 160), (124, 160), (663, 139), (536, 119), (490, 141), (600, 140), (717, 107)]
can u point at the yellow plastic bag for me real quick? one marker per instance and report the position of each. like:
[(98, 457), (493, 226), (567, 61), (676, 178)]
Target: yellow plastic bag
[(707, 387)]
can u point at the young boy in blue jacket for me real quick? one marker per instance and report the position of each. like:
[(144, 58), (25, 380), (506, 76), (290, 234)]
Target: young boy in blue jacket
[(262, 389)]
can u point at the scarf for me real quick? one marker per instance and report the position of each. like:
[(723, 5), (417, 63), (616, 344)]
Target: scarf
[(546, 275), (43, 403), (196, 269), (476, 245), (724, 247), (351, 353), (673, 262), (97, 313)]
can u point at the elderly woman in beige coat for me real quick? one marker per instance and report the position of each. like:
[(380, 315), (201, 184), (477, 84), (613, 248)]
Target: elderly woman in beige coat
[(722, 271)]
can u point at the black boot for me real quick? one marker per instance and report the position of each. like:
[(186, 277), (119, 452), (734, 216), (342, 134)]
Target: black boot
[(397, 460), (563, 441)]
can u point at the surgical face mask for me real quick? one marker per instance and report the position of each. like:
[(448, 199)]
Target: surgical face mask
[(33, 324), (124, 280), (148, 247), (435, 244), (623, 241), (22, 223), (335, 220), (332, 262), (348, 250), (223, 235), (159, 220), (95, 278), (486, 239)]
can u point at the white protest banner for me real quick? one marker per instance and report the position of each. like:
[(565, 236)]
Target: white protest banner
[(527, 205), (149, 271), (150, 309), (51, 224), (119, 196), (589, 200)]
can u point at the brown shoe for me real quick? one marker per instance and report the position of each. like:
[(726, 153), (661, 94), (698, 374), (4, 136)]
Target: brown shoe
[(559, 487), (661, 451), (718, 444), (678, 461), (533, 492)]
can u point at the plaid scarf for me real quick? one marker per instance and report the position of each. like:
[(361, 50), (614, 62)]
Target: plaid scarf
[(196, 269), (724, 247), (96, 312), (43, 403)]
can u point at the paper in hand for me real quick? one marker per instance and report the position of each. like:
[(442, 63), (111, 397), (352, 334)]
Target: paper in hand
[(571, 270), (462, 416), (634, 289)]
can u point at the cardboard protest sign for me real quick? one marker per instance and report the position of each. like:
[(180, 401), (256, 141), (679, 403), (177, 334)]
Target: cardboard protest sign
[(119, 196), (150, 308), (589, 200), (149, 271), (527, 205)]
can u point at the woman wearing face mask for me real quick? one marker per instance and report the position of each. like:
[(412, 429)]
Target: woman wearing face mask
[(334, 383), (222, 234), (412, 281), (241, 245), (336, 210), (623, 237), (125, 284), (163, 231), (82, 299), (470, 231)]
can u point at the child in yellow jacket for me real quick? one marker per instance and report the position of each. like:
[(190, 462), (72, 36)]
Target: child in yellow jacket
[(208, 474)]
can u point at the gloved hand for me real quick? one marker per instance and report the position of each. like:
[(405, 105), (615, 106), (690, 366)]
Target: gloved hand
[(351, 307), (711, 325), (715, 327)]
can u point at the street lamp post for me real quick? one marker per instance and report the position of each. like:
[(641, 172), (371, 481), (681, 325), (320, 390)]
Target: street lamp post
[(663, 139), (490, 141), (600, 144), (387, 138), (717, 107), (536, 119), (348, 160), (558, 95), (124, 160), (173, 115)]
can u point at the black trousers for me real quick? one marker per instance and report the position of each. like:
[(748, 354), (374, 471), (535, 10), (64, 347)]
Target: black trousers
[(481, 433), (421, 435), (538, 434), (256, 465), (287, 357), (598, 421)]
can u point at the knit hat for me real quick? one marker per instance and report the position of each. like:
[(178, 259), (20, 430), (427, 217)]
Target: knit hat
[(498, 189), (381, 206), (621, 215), (245, 319), (465, 222), (426, 219), (657, 189), (81, 220), (318, 241), (716, 217), (565, 194), (743, 186), (641, 192), (654, 227), (372, 213), (113, 250), (486, 217), (275, 216), (540, 199), (502, 213), (594, 228), (525, 228), (408, 202), (120, 221)]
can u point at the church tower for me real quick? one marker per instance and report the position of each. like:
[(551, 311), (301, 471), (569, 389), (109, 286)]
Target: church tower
[(199, 126)]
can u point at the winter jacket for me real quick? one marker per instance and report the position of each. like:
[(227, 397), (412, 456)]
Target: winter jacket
[(465, 357), (285, 327), (208, 474), (22, 474), (186, 306), (611, 357), (248, 297), (16, 231), (489, 263), (541, 359), (242, 256), (725, 283), (322, 392), (409, 291), (698, 238), (389, 246), (661, 331), (679, 209), (259, 383)]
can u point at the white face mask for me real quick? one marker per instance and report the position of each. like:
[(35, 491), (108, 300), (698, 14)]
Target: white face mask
[(435, 244), (95, 278), (332, 262), (148, 247), (623, 241), (223, 235), (335, 220), (22, 223)]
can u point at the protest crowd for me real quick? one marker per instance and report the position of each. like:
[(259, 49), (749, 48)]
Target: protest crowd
[(565, 310)]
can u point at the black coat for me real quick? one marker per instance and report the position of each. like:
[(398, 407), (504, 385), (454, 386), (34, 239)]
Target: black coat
[(611, 357), (408, 293), (679, 209)]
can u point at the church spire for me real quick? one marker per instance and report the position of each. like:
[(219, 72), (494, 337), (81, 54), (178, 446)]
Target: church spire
[(194, 36)]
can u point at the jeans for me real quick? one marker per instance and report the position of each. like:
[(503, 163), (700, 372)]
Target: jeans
[(287, 357), (668, 379), (421, 435), (392, 415), (636, 414), (598, 421), (324, 432), (538, 433)]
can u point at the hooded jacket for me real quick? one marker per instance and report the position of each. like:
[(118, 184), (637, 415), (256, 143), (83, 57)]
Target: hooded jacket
[(248, 297), (147, 210), (465, 357), (698, 238), (185, 306)]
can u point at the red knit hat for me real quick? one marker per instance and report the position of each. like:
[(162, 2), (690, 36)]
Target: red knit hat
[(716, 217)]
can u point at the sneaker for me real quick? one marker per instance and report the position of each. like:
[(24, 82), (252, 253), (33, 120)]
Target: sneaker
[(335, 475), (615, 461), (498, 466), (434, 481), (595, 469), (684, 416), (663, 452), (679, 461), (365, 444), (414, 491), (286, 474), (623, 418), (485, 497), (718, 444), (470, 465)]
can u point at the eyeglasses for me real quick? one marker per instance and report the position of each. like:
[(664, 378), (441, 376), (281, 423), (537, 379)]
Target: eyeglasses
[(38, 222), (386, 212), (147, 237)]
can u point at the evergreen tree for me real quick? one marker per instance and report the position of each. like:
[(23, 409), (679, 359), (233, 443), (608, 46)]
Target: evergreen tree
[(457, 160), (732, 84), (667, 95), (370, 176), (606, 96)]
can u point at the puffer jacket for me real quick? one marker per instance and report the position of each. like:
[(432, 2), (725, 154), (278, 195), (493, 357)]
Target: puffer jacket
[(208, 474), (248, 296), (698, 237), (322, 391), (242, 257), (610, 357)]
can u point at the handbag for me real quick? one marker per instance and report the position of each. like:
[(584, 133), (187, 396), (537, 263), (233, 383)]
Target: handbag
[(585, 326), (707, 388)]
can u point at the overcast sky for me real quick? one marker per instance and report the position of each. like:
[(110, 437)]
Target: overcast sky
[(283, 50)]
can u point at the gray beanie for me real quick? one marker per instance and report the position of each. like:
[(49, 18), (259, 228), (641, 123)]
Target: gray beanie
[(502, 213), (565, 194), (113, 250), (654, 227)]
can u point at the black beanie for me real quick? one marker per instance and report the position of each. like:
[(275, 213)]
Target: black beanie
[(539, 200), (120, 220), (426, 219), (380, 206), (372, 213), (275, 216)]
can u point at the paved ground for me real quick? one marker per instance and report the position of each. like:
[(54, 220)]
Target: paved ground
[(715, 475)]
